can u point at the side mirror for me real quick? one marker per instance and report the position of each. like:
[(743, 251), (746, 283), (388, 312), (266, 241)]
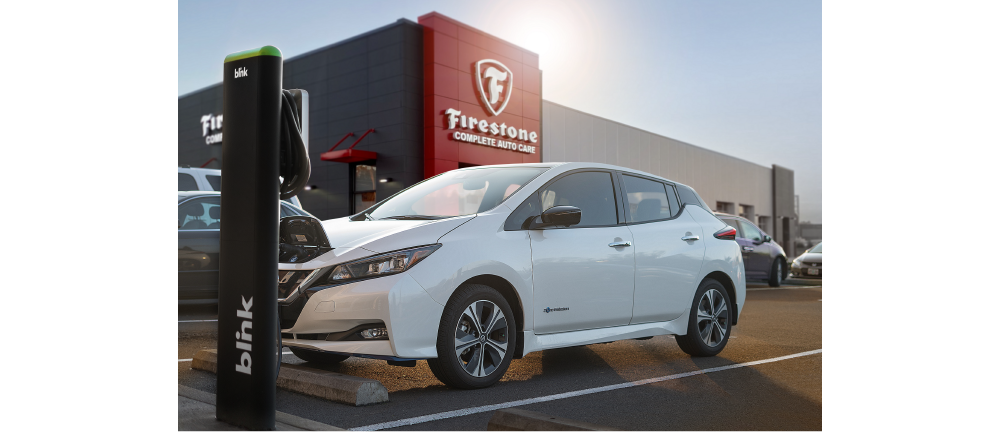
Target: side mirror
[(767, 238), (560, 216)]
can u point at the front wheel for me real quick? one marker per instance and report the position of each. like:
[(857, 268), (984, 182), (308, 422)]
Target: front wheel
[(476, 338), (709, 323)]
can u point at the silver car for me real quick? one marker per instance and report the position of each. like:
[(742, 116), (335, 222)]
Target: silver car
[(809, 264)]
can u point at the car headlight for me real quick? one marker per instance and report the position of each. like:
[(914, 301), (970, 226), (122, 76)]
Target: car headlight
[(381, 265), (797, 263)]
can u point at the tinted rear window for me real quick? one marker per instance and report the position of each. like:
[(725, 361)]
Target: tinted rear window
[(688, 196), (186, 183), (215, 181)]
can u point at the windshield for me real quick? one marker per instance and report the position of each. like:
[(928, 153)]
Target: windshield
[(817, 249), (455, 193)]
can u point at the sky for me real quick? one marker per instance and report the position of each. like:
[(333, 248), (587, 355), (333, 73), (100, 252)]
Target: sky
[(741, 78)]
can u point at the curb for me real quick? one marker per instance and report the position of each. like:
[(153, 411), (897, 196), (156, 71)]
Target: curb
[(331, 386), (279, 417), (514, 419)]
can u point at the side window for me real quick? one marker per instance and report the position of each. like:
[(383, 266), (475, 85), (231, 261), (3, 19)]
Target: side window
[(733, 224), (522, 216), (215, 181), (186, 183), (592, 192), (647, 199), (688, 196), (199, 214), (674, 203), (749, 231)]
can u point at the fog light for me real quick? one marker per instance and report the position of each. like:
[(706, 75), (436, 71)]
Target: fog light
[(375, 333)]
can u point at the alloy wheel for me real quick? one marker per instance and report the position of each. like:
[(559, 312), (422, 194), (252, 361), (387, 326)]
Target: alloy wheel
[(481, 338), (713, 317)]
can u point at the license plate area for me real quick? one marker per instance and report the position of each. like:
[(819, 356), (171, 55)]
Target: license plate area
[(812, 271)]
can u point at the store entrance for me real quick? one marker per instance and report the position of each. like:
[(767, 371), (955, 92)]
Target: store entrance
[(363, 182)]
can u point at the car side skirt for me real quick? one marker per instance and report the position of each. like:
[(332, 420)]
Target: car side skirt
[(533, 342)]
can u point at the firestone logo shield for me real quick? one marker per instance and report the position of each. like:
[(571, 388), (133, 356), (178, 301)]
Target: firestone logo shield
[(495, 82)]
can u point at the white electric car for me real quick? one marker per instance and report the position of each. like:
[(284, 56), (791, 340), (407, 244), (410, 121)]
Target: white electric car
[(478, 266)]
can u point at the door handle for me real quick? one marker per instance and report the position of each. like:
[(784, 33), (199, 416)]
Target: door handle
[(690, 238), (747, 249), (620, 244)]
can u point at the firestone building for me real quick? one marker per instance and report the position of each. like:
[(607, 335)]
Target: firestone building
[(407, 101)]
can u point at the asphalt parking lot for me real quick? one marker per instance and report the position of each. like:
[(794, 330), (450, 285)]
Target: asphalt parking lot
[(780, 329)]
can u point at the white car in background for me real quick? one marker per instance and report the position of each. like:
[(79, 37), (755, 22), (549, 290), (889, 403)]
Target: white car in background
[(477, 266), (208, 179)]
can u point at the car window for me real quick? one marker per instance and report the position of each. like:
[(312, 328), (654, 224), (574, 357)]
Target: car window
[(215, 181), (750, 231), (519, 218), (186, 183), (817, 249), (199, 214), (647, 199), (592, 192), (674, 203)]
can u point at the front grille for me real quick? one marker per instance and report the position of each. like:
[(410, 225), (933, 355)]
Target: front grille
[(289, 280)]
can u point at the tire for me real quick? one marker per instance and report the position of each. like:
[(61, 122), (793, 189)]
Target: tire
[(318, 356), (695, 343), (462, 325), (777, 272)]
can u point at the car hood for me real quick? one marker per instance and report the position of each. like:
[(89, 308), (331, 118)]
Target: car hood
[(811, 258), (388, 235)]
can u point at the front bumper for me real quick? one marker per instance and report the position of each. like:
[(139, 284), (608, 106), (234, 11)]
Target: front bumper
[(807, 270), (410, 315)]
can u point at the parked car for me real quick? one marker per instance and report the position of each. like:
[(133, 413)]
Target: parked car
[(208, 179), (764, 258), (810, 263), (478, 266), (198, 221)]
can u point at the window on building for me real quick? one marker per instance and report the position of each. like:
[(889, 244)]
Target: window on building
[(363, 193), (647, 199), (186, 183), (592, 192), (746, 211), (764, 222), (725, 207)]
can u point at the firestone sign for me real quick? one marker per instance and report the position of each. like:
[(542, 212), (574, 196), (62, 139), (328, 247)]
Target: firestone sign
[(211, 123), (495, 83)]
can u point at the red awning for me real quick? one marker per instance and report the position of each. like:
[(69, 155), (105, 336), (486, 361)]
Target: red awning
[(350, 154)]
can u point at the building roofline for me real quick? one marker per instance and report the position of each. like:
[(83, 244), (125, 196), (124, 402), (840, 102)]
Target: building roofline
[(399, 22), (662, 136)]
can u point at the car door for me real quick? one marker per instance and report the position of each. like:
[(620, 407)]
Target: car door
[(666, 265), (198, 248), (584, 274), (756, 253)]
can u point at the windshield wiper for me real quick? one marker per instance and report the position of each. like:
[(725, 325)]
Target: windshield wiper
[(414, 217)]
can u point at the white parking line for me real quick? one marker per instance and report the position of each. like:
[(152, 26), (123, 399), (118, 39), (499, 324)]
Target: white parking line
[(486, 408), (186, 360), (783, 288), (186, 321)]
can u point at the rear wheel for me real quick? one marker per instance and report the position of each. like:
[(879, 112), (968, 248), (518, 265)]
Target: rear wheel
[(476, 338), (709, 323), (777, 272), (318, 356)]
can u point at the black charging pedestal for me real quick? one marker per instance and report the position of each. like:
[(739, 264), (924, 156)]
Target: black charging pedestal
[(248, 272)]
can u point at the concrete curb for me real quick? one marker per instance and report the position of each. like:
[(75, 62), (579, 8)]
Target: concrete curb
[(514, 419), (331, 386), (279, 417)]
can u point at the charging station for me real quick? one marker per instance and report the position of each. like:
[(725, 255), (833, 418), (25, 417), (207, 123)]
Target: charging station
[(263, 141)]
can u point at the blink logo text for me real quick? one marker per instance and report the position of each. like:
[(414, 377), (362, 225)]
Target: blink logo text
[(241, 72), (244, 335)]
